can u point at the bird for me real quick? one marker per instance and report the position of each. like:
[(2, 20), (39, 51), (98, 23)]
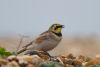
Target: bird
[(47, 40)]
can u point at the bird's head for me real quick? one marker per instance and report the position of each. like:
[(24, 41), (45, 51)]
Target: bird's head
[(56, 28)]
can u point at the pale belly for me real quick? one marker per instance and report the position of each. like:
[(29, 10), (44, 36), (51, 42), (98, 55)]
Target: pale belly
[(47, 46)]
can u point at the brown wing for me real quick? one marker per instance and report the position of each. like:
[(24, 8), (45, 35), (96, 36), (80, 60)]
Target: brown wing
[(39, 40), (42, 37)]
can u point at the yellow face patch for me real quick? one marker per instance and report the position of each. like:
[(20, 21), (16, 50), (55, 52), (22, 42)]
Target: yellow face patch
[(58, 30)]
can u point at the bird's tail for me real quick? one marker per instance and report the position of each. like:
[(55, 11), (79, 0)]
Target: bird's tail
[(22, 50)]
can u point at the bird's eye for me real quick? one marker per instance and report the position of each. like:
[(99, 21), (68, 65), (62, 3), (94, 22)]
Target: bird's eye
[(55, 28)]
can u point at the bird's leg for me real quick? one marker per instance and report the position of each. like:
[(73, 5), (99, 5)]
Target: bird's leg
[(46, 53)]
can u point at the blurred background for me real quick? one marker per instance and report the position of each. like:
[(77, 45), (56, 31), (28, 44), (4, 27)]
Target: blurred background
[(26, 19)]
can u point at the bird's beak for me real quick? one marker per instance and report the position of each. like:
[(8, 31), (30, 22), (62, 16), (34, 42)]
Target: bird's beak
[(63, 26)]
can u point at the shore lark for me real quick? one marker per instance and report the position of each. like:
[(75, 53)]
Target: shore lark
[(47, 41)]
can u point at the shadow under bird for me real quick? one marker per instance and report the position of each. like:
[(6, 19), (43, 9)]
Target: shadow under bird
[(46, 41)]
